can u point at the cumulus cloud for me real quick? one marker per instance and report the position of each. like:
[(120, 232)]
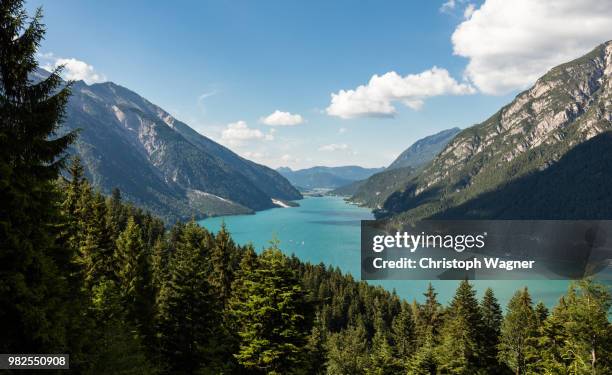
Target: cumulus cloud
[(75, 70), (239, 132), (279, 118), (342, 130), (334, 147), (375, 99), (510, 44)]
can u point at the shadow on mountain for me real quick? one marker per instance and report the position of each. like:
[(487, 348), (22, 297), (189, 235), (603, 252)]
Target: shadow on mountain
[(578, 186)]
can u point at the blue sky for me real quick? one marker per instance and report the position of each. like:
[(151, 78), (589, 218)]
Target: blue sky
[(224, 66)]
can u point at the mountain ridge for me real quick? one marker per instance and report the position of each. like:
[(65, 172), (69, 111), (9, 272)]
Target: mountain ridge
[(161, 163), (321, 177), (569, 105), (373, 191)]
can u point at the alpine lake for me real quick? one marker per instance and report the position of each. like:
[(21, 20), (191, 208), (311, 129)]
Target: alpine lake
[(326, 229)]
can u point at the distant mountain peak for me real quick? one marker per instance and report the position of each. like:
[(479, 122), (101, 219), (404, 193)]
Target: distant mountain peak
[(424, 150)]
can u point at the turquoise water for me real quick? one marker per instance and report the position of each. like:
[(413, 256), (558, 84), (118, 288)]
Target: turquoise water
[(327, 229)]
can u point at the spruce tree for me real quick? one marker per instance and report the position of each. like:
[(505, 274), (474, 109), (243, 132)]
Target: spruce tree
[(268, 306), (424, 360), (461, 342), (552, 339), (382, 356), (518, 333), (347, 351), (187, 312), (541, 313), (33, 270), (117, 349), (131, 263), (403, 334), (429, 316), (588, 331), (96, 248), (491, 329), (222, 258)]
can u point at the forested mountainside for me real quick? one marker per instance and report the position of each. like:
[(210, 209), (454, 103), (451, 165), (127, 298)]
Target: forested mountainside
[(424, 150), (142, 299), (161, 163), (326, 177), (374, 191), (569, 105)]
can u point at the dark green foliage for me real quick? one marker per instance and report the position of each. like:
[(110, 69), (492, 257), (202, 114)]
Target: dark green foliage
[(268, 308), (491, 329), (518, 334), (424, 361), (188, 315), (462, 341), (34, 300), (404, 334), (428, 317), (347, 352)]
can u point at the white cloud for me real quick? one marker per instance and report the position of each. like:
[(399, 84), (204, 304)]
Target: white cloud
[(342, 130), (448, 6), (334, 147), (75, 70), (279, 118), (510, 44), (375, 99), (239, 132), (469, 10)]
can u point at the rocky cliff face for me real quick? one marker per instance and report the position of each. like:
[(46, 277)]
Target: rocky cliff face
[(569, 105), (161, 163)]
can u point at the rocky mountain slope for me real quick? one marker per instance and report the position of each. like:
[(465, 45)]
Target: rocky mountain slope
[(326, 177), (569, 105), (375, 190), (424, 150), (161, 163)]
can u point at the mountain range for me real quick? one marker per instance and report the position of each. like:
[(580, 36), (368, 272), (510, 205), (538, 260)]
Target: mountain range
[(528, 155), (326, 177), (159, 162), (373, 191)]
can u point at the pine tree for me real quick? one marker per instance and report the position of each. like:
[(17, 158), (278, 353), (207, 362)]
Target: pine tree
[(518, 333), (131, 263), (461, 342), (347, 352), (491, 329), (315, 347), (552, 339), (33, 270), (382, 357), (424, 361), (71, 204), (429, 316), (268, 307), (96, 248), (221, 257), (118, 350), (541, 313), (187, 313), (403, 334), (588, 331)]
